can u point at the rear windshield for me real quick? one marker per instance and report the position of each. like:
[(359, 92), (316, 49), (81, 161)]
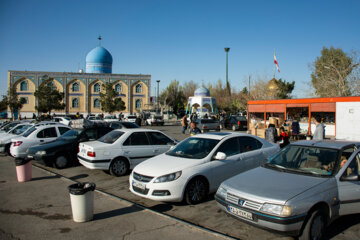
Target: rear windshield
[(240, 118), (111, 137), (129, 125), (29, 131), (20, 129), (131, 117), (208, 120)]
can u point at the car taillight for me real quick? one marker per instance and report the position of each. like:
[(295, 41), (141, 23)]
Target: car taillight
[(239, 123), (78, 149), (91, 154), (17, 143), (205, 126)]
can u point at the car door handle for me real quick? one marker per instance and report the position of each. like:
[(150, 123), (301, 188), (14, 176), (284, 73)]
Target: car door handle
[(41, 140), (126, 152)]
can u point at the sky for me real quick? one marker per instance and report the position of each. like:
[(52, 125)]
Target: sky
[(173, 39)]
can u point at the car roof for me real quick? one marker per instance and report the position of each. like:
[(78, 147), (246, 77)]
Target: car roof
[(335, 144), (221, 135), (136, 130)]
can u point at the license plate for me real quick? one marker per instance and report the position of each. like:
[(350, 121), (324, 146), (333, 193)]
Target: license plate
[(240, 213), (29, 156), (139, 185)]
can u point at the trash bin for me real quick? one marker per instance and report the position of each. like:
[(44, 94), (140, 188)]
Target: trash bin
[(82, 201), (23, 169)]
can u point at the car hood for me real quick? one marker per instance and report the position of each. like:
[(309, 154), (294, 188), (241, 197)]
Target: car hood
[(268, 185), (50, 145), (165, 164)]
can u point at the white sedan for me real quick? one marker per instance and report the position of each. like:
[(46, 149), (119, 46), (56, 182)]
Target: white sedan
[(36, 135), (197, 166), (122, 149)]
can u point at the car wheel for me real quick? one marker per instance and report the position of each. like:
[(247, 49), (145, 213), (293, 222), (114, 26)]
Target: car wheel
[(195, 191), (119, 167), (7, 149), (315, 226), (234, 127), (61, 162)]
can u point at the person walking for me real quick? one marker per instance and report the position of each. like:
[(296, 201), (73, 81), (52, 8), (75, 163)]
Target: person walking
[(184, 123), (284, 138), (193, 129), (319, 133), (295, 129)]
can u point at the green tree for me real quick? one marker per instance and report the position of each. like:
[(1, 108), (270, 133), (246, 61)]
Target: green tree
[(332, 72), (173, 96), (283, 88), (13, 101), (3, 104), (110, 102), (48, 97)]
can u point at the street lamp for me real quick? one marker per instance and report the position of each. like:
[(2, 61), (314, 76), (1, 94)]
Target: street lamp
[(157, 98), (227, 82)]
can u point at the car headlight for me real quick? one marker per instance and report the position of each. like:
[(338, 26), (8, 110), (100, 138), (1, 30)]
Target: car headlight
[(40, 153), (221, 192), (168, 178), (280, 210)]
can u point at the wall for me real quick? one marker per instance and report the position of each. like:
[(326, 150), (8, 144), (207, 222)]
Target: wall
[(347, 120)]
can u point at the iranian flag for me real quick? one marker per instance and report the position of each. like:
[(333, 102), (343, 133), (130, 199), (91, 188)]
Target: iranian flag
[(275, 62)]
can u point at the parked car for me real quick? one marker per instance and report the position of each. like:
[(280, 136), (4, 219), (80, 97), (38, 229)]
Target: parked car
[(207, 124), (155, 120), (34, 136), (122, 149), (63, 151), (63, 120), (119, 125), (8, 126), (95, 119), (130, 118), (197, 166), (110, 118), (5, 138), (299, 191), (235, 122)]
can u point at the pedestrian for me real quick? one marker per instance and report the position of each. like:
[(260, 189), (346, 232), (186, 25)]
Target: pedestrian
[(295, 129), (284, 138), (184, 123), (271, 133), (138, 120), (33, 116), (193, 129), (319, 133)]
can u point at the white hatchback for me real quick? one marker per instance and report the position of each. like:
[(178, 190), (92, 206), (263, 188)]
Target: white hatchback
[(197, 166), (36, 135), (122, 149)]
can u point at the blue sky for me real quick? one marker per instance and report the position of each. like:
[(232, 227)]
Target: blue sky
[(173, 39)]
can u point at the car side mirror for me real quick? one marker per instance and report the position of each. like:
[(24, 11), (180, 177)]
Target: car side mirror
[(220, 156), (352, 177)]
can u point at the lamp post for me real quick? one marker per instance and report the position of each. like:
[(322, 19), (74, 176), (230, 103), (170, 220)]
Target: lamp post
[(227, 81), (157, 97)]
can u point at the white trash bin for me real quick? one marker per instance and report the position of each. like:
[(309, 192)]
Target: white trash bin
[(82, 201)]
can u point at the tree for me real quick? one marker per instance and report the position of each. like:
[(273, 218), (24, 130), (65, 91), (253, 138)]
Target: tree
[(333, 73), (283, 88), (48, 97), (189, 88), (13, 101), (110, 102), (173, 96), (3, 104)]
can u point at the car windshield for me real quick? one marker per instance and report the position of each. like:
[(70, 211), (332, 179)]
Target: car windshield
[(111, 137), (70, 135), (193, 147), (241, 118), (306, 160), (10, 126), (20, 129), (29, 131), (67, 118)]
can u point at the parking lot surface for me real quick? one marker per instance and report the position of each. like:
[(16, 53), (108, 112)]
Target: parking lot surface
[(23, 204)]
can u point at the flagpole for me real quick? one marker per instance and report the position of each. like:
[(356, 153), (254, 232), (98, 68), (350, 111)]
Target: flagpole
[(274, 65)]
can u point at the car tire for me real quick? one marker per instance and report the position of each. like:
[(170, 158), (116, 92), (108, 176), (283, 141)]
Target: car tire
[(119, 167), (233, 127), (7, 149), (196, 191), (315, 226), (61, 161)]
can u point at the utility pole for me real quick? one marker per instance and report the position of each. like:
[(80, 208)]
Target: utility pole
[(227, 80), (157, 97)]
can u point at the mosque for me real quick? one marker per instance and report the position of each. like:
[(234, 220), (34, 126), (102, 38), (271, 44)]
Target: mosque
[(81, 89)]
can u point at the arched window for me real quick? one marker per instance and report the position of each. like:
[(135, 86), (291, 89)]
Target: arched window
[(75, 102), (23, 86), (138, 103), (138, 88), (118, 88), (75, 87), (97, 87), (96, 103)]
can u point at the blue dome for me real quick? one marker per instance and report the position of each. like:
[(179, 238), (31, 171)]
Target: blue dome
[(202, 92), (99, 55), (99, 60)]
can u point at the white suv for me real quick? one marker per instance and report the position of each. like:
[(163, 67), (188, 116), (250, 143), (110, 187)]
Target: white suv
[(34, 136)]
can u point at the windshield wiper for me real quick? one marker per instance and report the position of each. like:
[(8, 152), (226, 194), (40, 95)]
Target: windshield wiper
[(276, 166)]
